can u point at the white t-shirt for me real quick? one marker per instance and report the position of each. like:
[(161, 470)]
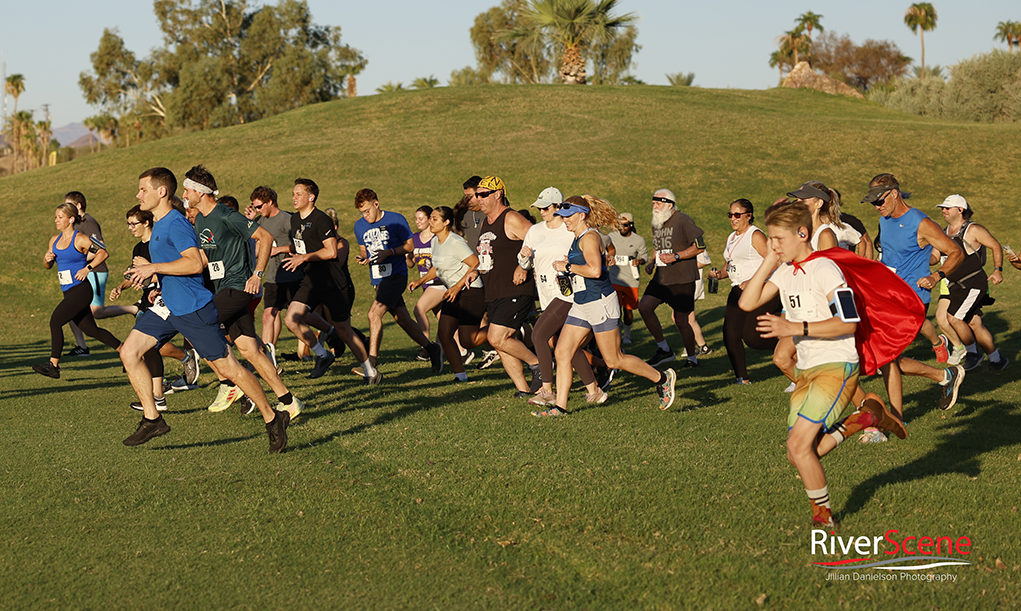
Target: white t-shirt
[(741, 257), (847, 238), (548, 245), (448, 259), (703, 261), (804, 298)]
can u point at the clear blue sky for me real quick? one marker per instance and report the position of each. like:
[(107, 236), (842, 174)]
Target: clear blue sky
[(726, 43)]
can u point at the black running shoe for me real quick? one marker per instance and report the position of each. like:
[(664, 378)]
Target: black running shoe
[(322, 364), (277, 431), (536, 379), (522, 394), (948, 392), (436, 356), (688, 364), (373, 380), (79, 351), (999, 365), (338, 345), (606, 378), (48, 369), (191, 368), (161, 404), (661, 356), (245, 404), (147, 429)]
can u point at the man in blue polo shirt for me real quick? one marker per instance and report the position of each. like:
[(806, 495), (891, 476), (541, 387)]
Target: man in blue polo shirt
[(185, 307)]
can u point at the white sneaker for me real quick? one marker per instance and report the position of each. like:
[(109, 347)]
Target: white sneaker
[(294, 408), (178, 385), (225, 396), (791, 387), (957, 355)]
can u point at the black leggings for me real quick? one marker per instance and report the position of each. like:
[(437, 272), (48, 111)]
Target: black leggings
[(739, 329), (548, 325), (75, 308)]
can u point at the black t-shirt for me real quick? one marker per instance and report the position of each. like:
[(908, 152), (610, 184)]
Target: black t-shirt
[(847, 219), (142, 250), (308, 235)]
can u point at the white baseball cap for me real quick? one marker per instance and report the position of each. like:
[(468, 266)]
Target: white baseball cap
[(954, 201), (549, 197)]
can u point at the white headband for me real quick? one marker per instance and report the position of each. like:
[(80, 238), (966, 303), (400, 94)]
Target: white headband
[(201, 188)]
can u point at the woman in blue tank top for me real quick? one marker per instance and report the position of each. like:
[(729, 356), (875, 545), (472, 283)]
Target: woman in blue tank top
[(596, 309), (68, 250)]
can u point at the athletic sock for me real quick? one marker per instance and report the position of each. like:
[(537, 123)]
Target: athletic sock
[(665, 347), (187, 357), (370, 371), (972, 348), (994, 356), (820, 501), (946, 377), (319, 350), (662, 377), (461, 376), (286, 399), (851, 425)]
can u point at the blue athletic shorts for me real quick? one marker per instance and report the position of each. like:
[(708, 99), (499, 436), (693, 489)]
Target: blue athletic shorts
[(98, 282), (201, 328)]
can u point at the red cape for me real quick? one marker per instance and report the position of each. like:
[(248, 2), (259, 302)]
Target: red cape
[(891, 313)]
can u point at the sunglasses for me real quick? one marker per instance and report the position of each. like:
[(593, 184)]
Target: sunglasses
[(879, 202), (736, 215), (565, 206), (259, 207), (483, 194), (665, 200)]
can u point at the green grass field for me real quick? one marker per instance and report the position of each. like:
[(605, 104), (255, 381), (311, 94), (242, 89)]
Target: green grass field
[(417, 494)]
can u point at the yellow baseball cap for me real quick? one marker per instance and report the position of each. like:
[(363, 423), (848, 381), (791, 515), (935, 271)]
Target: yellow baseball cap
[(491, 183)]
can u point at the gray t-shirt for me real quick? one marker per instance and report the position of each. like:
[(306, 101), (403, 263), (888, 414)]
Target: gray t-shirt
[(279, 226), (628, 249), (473, 227), (90, 227)]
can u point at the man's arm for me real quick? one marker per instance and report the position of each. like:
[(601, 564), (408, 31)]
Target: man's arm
[(327, 252), (263, 246), (977, 234), (515, 225), (189, 264), (930, 233)]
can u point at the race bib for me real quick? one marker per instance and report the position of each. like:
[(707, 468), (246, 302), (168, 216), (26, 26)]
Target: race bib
[(659, 262), (485, 263), (64, 277), (216, 270), (622, 260), (299, 246), (577, 283), (159, 308), (383, 270)]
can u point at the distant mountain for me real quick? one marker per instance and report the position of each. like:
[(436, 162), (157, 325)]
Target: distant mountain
[(71, 132)]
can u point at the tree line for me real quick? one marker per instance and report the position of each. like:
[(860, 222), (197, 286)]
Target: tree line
[(31, 141), (221, 62)]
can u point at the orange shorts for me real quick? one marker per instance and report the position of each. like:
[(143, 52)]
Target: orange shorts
[(628, 296)]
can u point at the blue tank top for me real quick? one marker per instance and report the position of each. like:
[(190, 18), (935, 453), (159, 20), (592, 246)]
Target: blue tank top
[(69, 261), (899, 238), (595, 288)]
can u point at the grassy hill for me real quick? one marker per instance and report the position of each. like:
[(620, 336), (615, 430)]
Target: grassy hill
[(416, 494)]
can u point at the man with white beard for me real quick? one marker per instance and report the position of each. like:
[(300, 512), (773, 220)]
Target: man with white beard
[(676, 241)]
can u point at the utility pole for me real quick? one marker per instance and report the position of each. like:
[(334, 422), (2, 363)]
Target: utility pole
[(4, 61)]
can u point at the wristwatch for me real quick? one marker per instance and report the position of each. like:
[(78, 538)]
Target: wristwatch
[(260, 274)]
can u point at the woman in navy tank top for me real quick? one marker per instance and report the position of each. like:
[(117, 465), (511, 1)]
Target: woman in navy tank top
[(68, 250)]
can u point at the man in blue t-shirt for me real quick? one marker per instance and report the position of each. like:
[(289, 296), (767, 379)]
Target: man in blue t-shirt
[(384, 238), (185, 307)]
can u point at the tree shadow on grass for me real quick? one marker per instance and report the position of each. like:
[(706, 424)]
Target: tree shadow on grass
[(964, 439)]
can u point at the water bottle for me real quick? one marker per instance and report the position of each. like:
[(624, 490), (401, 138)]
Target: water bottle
[(712, 282), (564, 281)]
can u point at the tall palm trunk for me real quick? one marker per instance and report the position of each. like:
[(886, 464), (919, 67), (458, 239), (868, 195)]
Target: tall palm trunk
[(572, 67), (352, 86)]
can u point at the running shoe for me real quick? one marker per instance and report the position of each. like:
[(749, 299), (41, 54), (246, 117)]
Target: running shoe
[(704, 349), (79, 351), (542, 398), (271, 352), (536, 379), (293, 409), (467, 357), (661, 356), (48, 369), (373, 380), (941, 349), (358, 371), (957, 355), (522, 394), (948, 391), (884, 419), (246, 405), (322, 364), (147, 429), (277, 431), (178, 385), (488, 358), (597, 398), (435, 356), (666, 389), (973, 360), (872, 436), (191, 367), (999, 365), (742, 382), (791, 388), (605, 377), (423, 355), (161, 404), (553, 411), (689, 364), (225, 397)]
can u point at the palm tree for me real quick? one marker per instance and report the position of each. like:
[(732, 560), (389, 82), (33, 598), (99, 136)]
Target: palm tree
[(572, 25), (792, 43), (44, 130), (810, 21), (681, 79), (1009, 32), (390, 87), (425, 82), (90, 123), (778, 60), (14, 86), (921, 17)]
